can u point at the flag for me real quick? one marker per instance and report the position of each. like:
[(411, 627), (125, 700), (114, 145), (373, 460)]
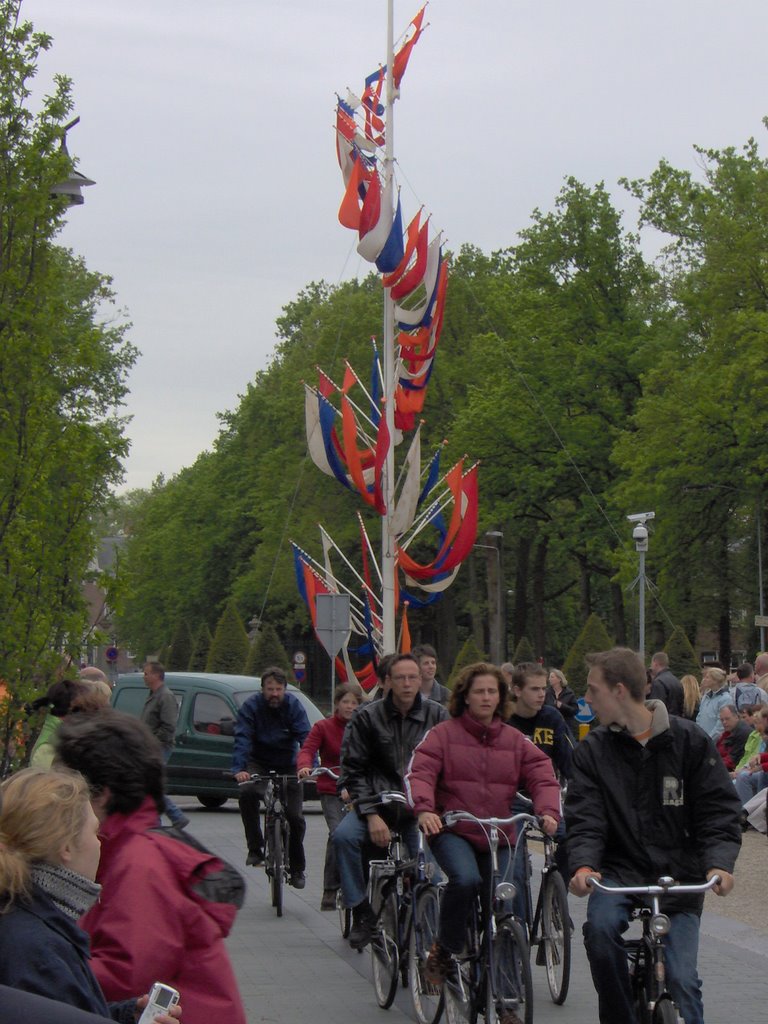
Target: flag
[(405, 633), (400, 62)]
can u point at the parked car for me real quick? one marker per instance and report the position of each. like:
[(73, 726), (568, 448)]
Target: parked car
[(208, 706)]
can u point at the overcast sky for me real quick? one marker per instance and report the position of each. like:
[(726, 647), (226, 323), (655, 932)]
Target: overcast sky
[(209, 129)]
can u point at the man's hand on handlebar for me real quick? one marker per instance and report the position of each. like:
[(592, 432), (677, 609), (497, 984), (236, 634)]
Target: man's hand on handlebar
[(430, 823), (725, 884), (378, 830), (580, 883), (304, 772), (242, 776)]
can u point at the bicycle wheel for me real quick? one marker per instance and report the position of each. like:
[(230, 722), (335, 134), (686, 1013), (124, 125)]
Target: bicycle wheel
[(276, 864), (345, 916), (665, 1012), (556, 936), (427, 999), (385, 959), (509, 986), (641, 980)]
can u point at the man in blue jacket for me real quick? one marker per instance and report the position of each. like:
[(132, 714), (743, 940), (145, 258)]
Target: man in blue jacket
[(270, 728)]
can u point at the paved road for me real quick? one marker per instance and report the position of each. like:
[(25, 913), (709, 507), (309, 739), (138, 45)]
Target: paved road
[(298, 970)]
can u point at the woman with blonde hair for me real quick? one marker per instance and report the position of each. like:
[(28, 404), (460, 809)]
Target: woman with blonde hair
[(49, 853), (691, 697), (714, 695)]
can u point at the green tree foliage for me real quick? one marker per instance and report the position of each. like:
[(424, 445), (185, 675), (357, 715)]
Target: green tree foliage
[(179, 649), (229, 647), (267, 650), (523, 652), (682, 657), (198, 659), (469, 654), (62, 378), (593, 638)]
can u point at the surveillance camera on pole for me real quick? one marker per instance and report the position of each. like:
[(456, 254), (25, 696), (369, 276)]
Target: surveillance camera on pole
[(640, 537)]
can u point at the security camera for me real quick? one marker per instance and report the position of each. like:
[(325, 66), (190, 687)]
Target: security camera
[(641, 517), (640, 537)]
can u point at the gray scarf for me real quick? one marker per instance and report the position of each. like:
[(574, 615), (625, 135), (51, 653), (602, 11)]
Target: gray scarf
[(73, 894)]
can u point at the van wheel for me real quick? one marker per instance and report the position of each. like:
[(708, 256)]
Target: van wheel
[(207, 800)]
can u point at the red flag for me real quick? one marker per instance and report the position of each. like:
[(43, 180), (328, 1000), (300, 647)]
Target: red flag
[(371, 210), (405, 633), (401, 57), (349, 211)]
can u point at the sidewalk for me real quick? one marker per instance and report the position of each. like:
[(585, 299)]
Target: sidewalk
[(298, 968)]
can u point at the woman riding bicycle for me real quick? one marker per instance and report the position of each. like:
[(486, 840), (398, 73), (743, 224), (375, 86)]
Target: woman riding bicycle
[(474, 762)]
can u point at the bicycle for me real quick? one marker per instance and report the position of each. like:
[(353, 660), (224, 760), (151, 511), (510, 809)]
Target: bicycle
[(549, 928), (645, 956), (407, 906), (276, 831), (493, 976)]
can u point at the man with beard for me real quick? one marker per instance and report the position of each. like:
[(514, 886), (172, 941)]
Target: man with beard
[(270, 728)]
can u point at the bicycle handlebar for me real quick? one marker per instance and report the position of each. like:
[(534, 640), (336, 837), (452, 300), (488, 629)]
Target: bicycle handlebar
[(664, 886), (451, 817), (322, 770)]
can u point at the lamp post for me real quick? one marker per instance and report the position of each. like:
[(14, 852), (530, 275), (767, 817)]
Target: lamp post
[(496, 602), (69, 190), (640, 537)]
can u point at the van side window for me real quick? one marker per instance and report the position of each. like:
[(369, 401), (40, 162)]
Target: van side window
[(212, 715)]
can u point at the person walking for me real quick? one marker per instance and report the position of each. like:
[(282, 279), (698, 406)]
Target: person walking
[(159, 714)]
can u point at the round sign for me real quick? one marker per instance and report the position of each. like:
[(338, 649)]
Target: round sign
[(585, 712), (299, 658), (111, 654), (299, 674)]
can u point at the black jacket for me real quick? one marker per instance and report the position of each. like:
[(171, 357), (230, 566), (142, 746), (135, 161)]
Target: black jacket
[(377, 746), (635, 813), (667, 688), (44, 951), (16, 1005)]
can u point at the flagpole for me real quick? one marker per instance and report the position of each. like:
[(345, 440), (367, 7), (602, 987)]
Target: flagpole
[(388, 551)]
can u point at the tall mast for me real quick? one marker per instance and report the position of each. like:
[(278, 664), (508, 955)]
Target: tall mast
[(388, 549)]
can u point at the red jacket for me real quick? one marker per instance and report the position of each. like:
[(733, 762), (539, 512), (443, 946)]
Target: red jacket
[(150, 926), (463, 765), (324, 738)]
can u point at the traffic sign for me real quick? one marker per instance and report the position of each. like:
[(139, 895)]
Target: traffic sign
[(111, 654), (585, 713), (333, 622), (761, 620)]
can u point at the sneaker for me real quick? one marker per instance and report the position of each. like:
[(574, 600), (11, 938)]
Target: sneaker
[(439, 964), (298, 881), (363, 925), (328, 902), (181, 822), (255, 859)]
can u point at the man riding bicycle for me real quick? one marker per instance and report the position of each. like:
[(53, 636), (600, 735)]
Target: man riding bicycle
[(648, 796)]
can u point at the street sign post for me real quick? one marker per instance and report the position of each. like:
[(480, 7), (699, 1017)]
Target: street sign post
[(333, 627)]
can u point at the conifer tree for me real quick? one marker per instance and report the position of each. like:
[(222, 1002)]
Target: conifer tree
[(468, 655), (198, 659), (682, 657), (229, 648), (180, 648), (593, 637)]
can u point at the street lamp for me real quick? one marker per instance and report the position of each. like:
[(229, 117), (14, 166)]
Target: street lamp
[(640, 537), (70, 189), (496, 600)]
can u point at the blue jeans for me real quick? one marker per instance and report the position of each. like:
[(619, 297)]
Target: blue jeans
[(469, 872), (607, 920), (350, 840), (747, 784), (174, 813)]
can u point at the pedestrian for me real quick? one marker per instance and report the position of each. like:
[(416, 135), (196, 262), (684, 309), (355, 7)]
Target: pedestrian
[(159, 714), (166, 906), (48, 862), (562, 697), (324, 744)]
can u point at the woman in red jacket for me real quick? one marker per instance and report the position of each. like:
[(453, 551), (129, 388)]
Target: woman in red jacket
[(474, 762), (324, 741)]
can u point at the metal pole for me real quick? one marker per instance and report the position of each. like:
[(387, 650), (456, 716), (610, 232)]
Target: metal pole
[(641, 606), (388, 550), (760, 601)]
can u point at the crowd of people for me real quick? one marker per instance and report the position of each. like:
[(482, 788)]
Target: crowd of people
[(657, 786)]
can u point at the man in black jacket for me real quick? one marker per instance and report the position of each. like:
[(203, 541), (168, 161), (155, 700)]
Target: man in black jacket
[(665, 686), (377, 748), (648, 796)]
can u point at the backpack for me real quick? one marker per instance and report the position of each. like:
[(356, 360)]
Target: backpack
[(748, 693), (222, 884)]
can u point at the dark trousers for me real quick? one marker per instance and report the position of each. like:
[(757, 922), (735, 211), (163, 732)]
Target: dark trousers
[(333, 812), (250, 804)]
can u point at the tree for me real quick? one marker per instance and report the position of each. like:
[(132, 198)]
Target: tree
[(523, 652), (267, 650), (469, 654), (682, 657), (593, 638), (198, 659), (229, 647), (62, 378), (180, 648)]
